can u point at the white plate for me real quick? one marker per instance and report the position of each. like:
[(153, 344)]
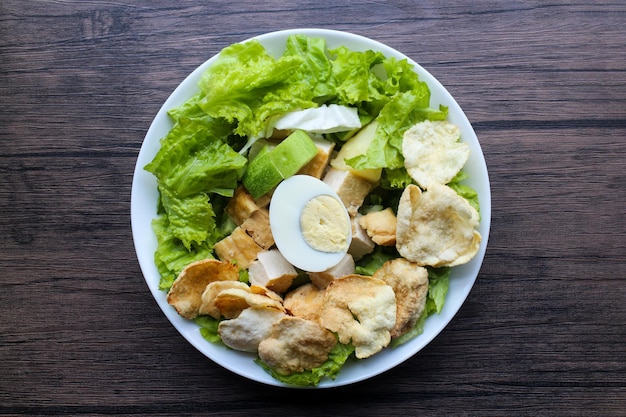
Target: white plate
[(144, 202)]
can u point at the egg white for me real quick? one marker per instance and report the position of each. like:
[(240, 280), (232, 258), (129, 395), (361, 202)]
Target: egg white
[(288, 201)]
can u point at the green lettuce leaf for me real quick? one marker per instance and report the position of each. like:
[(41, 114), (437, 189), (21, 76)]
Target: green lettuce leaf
[(193, 162), (246, 86), (208, 328), (396, 179), (215, 168), (464, 190), (191, 219), (354, 75), (372, 262), (405, 101), (316, 70), (172, 256), (438, 283), (190, 134)]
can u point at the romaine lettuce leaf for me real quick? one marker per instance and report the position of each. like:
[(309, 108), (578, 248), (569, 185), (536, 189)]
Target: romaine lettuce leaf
[(191, 219), (372, 262), (171, 256), (215, 168), (438, 282), (316, 69), (356, 82), (464, 190), (208, 328), (246, 86), (190, 134)]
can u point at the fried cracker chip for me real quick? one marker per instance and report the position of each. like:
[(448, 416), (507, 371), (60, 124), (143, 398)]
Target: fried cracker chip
[(232, 302), (360, 309), (295, 345), (247, 330), (211, 292), (185, 295), (259, 289), (436, 227), (433, 153), (380, 226), (305, 302), (410, 284)]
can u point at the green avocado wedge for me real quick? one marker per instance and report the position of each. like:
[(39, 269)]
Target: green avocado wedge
[(270, 167)]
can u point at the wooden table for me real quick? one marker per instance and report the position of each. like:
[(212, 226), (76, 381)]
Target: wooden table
[(543, 331)]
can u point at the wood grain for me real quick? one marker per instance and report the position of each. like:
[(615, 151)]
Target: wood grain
[(543, 332)]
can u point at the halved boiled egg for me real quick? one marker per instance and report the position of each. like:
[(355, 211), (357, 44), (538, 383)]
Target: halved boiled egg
[(310, 224)]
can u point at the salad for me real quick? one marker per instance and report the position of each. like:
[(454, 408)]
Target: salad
[(204, 159)]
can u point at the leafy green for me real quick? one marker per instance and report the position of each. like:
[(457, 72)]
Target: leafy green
[(356, 80), (329, 369), (190, 134), (190, 219), (215, 168), (464, 190), (171, 255), (193, 162), (316, 69), (208, 328), (401, 101), (397, 178), (246, 85), (438, 282), (372, 262)]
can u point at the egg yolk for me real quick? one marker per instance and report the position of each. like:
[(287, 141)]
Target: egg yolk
[(324, 225)]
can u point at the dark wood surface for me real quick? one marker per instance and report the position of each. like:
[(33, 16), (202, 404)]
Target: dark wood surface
[(543, 331)]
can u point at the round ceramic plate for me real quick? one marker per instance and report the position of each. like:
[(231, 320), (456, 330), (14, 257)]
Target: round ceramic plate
[(144, 204)]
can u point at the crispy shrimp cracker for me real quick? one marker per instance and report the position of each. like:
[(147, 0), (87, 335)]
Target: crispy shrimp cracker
[(410, 285), (305, 302), (185, 295), (211, 292), (380, 226), (361, 310), (433, 153), (296, 345), (436, 227), (247, 330), (259, 289), (232, 302)]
